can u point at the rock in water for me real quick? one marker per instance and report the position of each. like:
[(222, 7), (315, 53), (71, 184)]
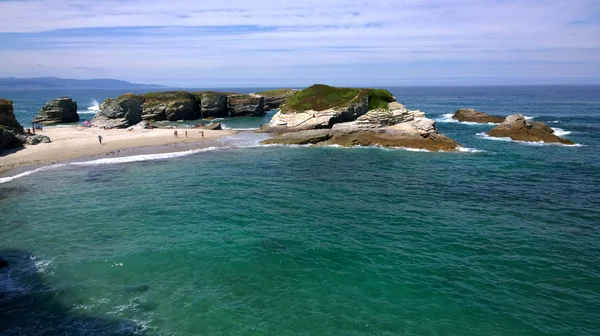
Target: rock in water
[(350, 117), (56, 111), (212, 105), (211, 126), (3, 263), (246, 105), (472, 115), (518, 128), (122, 112)]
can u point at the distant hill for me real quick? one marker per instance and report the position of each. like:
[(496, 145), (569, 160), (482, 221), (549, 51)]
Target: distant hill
[(53, 82)]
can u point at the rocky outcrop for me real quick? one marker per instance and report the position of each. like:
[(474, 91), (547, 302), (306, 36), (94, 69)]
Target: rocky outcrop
[(56, 111), (36, 139), (472, 115), (395, 126), (274, 98), (7, 116), (212, 105), (518, 128), (10, 130), (122, 112), (211, 126), (178, 105), (246, 105)]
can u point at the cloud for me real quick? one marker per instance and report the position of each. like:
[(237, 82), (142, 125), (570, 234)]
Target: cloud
[(329, 39)]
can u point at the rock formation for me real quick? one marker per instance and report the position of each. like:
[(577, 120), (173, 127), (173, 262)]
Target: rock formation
[(60, 110), (472, 115), (518, 128), (274, 98), (122, 112), (212, 105), (178, 105), (246, 105), (10, 129), (349, 117)]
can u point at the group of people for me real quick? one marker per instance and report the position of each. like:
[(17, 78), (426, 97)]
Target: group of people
[(34, 126), (176, 134)]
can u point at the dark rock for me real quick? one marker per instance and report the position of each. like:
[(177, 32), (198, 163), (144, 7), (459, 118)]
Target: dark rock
[(212, 105), (7, 116), (3, 263), (177, 105), (56, 111), (472, 115), (274, 98), (246, 105), (122, 112), (211, 126), (518, 128)]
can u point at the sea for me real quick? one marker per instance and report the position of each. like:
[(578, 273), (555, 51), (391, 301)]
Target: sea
[(500, 238)]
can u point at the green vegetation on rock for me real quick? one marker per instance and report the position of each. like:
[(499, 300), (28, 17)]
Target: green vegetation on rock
[(5, 101), (321, 97), (275, 92)]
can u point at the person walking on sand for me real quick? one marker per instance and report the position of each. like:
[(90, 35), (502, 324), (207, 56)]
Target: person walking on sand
[(202, 132), (175, 133), (100, 139)]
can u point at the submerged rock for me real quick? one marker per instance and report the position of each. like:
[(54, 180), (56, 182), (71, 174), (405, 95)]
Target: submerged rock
[(56, 111), (518, 128), (246, 105), (472, 115), (3, 263), (364, 117)]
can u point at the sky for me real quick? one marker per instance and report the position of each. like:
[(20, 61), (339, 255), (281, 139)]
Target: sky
[(296, 43)]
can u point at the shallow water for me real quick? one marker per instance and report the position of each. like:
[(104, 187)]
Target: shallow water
[(277, 240)]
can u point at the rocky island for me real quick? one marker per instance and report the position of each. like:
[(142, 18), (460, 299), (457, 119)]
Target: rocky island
[(328, 115), (472, 115), (518, 128)]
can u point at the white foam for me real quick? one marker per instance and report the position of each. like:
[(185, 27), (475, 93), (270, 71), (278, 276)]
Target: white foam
[(447, 118), (469, 150), (529, 118), (29, 172), (92, 109), (145, 157), (560, 132), (529, 143)]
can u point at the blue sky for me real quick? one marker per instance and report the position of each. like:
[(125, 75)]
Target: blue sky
[(297, 43)]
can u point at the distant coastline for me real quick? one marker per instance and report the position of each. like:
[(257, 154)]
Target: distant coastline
[(58, 83)]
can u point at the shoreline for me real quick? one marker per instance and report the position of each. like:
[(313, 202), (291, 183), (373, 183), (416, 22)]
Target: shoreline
[(70, 144)]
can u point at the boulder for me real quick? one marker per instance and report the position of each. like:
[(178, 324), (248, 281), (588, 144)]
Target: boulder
[(10, 139), (472, 115), (518, 128), (37, 139), (122, 112), (212, 105), (56, 111), (176, 105), (246, 105), (274, 98), (211, 126)]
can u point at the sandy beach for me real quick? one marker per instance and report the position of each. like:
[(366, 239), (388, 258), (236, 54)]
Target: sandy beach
[(69, 143)]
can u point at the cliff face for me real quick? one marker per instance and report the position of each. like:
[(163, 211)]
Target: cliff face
[(350, 117), (7, 116), (274, 98), (246, 105), (212, 104), (56, 111)]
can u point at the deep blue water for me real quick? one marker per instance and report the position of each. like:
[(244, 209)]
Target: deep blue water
[(248, 239)]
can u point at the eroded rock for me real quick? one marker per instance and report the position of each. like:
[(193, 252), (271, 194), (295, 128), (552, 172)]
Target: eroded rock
[(56, 111), (518, 128), (472, 115)]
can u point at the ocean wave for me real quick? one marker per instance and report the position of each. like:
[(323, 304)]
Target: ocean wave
[(560, 132), (469, 150), (447, 118), (529, 118), (29, 172), (530, 143)]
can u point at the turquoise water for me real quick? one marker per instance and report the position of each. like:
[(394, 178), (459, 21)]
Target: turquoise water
[(256, 240)]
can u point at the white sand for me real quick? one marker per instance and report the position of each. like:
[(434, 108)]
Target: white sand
[(77, 141)]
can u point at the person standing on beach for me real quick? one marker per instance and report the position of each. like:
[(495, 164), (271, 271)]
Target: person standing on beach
[(100, 139), (175, 133), (186, 133), (202, 132)]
